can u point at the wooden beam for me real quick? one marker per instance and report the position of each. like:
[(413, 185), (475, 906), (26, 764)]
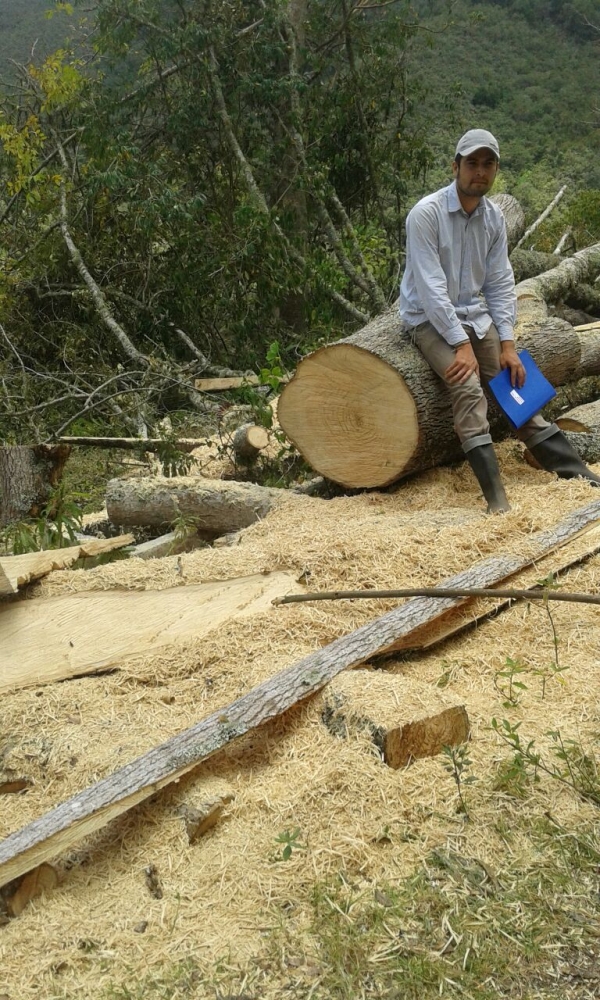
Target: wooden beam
[(222, 384), (588, 327), (143, 444), (97, 805), (17, 571)]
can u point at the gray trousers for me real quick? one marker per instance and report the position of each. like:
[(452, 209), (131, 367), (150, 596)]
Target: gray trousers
[(469, 403)]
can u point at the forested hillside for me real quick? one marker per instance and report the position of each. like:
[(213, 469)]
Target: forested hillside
[(204, 183), (25, 27)]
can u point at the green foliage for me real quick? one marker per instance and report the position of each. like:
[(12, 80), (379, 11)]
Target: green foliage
[(565, 760), (56, 527), (290, 839), (457, 765)]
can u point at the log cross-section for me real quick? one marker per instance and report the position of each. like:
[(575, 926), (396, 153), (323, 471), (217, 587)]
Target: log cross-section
[(93, 808)]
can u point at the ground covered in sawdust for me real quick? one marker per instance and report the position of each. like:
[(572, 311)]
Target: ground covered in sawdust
[(228, 897)]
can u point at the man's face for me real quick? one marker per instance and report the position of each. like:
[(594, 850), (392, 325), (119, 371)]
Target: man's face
[(476, 173)]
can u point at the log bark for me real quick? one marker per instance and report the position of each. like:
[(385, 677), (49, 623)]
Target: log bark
[(585, 297), (93, 808), (368, 410), (27, 477), (514, 216), (215, 505), (530, 263), (550, 208)]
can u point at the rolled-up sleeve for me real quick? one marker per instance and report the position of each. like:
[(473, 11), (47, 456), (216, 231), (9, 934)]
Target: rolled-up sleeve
[(430, 280), (499, 286)]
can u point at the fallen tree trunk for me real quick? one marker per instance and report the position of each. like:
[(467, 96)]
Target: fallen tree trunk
[(93, 808), (368, 410), (27, 477), (514, 216), (534, 294), (216, 506), (530, 263), (585, 297)]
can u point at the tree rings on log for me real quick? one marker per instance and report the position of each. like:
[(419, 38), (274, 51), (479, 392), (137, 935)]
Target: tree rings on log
[(351, 416)]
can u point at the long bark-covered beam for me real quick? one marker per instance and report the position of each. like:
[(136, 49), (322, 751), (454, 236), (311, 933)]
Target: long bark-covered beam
[(93, 808), (530, 263)]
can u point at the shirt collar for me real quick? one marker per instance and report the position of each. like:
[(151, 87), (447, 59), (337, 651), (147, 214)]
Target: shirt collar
[(454, 204)]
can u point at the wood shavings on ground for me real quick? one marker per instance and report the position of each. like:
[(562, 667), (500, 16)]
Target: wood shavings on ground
[(356, 818)]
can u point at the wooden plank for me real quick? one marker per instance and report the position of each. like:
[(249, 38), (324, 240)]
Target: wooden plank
[(143, 444), (222, 384), (91, 809), (17, 571), (52, 639), (591, 327)]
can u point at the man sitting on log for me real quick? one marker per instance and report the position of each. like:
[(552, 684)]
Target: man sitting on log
[(457, 299)]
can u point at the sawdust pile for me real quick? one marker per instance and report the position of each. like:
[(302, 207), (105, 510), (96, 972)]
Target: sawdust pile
[(224, 894)]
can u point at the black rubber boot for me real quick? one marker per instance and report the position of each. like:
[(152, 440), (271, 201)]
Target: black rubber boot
[(557, 454), (484, 463)]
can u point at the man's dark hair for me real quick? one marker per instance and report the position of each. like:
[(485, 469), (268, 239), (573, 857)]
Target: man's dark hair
[(459, 157)]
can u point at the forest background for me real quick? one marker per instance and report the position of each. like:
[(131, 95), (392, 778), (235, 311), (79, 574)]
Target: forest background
[(194, 187)]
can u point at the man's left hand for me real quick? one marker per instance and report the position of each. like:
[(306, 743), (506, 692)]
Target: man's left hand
[(510, 359)]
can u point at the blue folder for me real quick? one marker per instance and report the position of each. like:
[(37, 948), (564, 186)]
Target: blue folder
[(520, 404)]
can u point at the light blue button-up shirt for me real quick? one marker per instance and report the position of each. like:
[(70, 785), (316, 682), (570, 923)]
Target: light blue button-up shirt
[(457, 268)]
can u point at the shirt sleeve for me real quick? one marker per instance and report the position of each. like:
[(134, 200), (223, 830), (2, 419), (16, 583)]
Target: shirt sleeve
[(430, 280), (499, 286)]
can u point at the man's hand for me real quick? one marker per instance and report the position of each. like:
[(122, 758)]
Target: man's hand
[(464, 364), (510, 359)]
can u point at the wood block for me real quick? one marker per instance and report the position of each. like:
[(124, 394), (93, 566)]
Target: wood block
[(405, 718)]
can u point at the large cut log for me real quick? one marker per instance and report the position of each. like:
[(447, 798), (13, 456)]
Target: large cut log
[(368, 410), (216, 506), (28, 476), (93, 808), (514, 216)]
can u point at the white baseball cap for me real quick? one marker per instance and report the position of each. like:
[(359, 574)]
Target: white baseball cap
[(477, 138)]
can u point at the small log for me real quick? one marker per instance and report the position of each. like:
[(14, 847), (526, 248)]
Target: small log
[(405, 719), (217, 506), (94, 807), (28, 475), (248, 442), (17, 571)]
